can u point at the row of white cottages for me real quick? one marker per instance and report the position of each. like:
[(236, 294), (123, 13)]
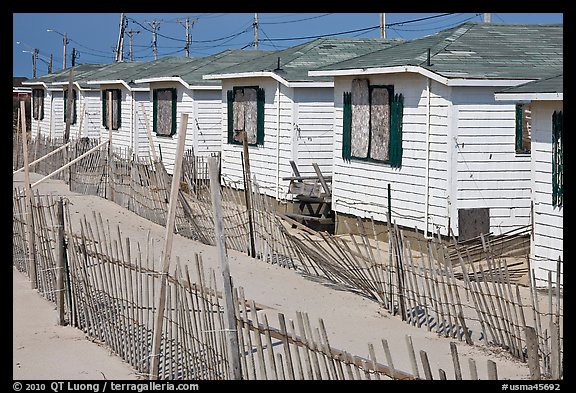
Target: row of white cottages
[(419, 116)]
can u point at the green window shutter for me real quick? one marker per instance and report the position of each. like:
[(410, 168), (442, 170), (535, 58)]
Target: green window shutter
[(74, 106), (41, 105), (104, 109), (260, 116), (65, 104), (174, 101), (519, 148), (557, 159), (119, 109), (230, 103), (347, 126), (396, 113), (155, 111)]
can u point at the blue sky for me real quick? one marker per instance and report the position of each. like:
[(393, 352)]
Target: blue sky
[(94, 36)]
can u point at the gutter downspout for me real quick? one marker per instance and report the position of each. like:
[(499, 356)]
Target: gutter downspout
[(278, 144), (427, 174)]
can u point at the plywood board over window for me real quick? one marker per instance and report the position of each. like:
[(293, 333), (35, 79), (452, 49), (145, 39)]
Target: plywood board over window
[(38, 102), (116, 108), (523, 128), (380, 123), (164, 108), (372, 123), (360, 118)]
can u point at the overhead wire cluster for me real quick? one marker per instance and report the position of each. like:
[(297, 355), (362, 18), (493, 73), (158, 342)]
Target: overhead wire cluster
[(241, 37)]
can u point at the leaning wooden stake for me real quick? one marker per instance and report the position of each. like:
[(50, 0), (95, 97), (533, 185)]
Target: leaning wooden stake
[(28, 200), (60, 252), (456, 361), (160, 306), (532, 346), (229, 306)]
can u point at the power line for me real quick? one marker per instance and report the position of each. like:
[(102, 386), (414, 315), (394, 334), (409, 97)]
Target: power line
[(294, 21)]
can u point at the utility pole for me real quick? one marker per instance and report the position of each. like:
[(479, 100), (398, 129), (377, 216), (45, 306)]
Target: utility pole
[(487, 18), (130, 34), (382, 25), (188, 36), (120, 45), (50, 64), (65, 43), (34, 60), (73, 57), (255, 24), (155, 26)]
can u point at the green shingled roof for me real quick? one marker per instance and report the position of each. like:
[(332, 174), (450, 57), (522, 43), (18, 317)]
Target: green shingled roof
[(81, 72), (553, 84), (295, 62), (475, 51), (192, 72)]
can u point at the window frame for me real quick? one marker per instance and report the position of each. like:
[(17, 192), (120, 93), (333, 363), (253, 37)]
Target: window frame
[(118, 108), (394, 152), (174, 93), (38, 114), (74, 99), (519, 147), (260, 100)]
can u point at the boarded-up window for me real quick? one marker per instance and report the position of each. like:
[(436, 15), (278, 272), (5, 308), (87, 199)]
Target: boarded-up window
[(73, 119), (116, 108), (38, 102), (557, 159), (164, 108), (372, 123), (246, 115), (523, 128)]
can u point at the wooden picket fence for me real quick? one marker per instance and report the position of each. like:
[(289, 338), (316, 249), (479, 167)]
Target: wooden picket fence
[(458, 291), (107, 286)]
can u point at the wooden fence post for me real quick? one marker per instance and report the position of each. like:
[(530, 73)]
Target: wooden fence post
[(532, 346), (229, 306), (456, 361), (161, 305), (60, 255), (28, 202)]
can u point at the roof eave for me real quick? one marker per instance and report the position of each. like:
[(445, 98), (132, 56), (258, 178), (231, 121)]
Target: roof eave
[(116, 82), (258, 74), (529, 96), (424, 72)]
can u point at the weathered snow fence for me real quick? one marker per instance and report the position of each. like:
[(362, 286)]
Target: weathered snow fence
[(446, 290)]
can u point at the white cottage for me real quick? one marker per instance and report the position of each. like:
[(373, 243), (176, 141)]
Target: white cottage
[(287, 115), (48, 103), (421, 118), (182, 89), (545, 100), (130, 102)]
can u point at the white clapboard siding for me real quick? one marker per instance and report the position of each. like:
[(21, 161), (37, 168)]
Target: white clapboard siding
[(360, 187), (207, 121), (314, 122), (93, 114), (142, 113), (485, 154), (548, 220), (58, 122)]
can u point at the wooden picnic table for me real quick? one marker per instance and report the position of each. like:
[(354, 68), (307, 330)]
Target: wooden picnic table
[(308, 191)]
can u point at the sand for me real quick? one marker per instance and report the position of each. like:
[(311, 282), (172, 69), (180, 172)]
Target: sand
[(44, 350)]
